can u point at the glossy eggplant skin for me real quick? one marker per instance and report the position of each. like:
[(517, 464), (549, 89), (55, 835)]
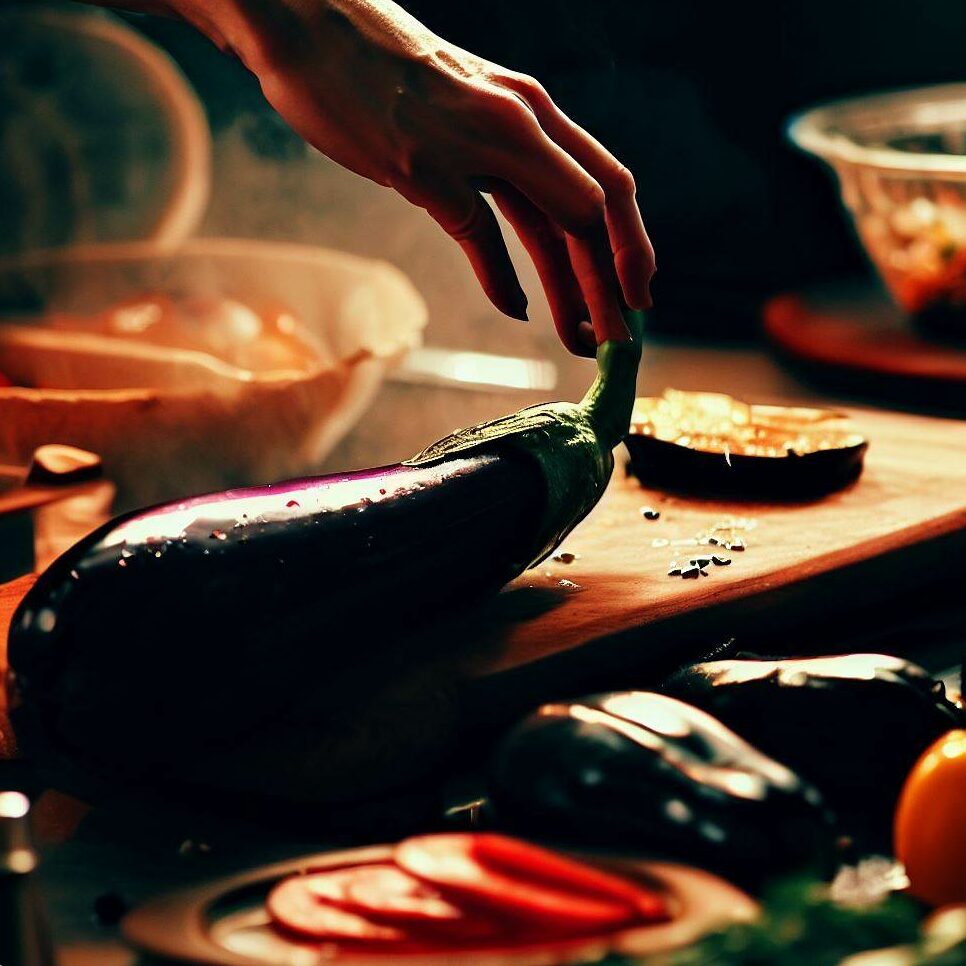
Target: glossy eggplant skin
[(172, 633), (853, 724), (644, 773)]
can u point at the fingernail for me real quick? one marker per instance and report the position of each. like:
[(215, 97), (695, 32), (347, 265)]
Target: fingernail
[(615, 328), (518, 308), (515, 308)]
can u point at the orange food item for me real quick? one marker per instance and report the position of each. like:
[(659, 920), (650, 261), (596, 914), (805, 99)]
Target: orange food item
[(223, 327), (930, 834)]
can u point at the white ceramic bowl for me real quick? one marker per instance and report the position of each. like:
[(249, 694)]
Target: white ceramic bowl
[(196, 425)]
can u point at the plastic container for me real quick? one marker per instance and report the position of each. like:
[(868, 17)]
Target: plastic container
[(900, 159), (196, 423)]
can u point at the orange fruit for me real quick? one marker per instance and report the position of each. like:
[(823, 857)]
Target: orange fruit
[(930, 833)]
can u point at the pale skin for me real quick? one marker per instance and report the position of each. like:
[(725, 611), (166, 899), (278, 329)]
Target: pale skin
[(377, 92)]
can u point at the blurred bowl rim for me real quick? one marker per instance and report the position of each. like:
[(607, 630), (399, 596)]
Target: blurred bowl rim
[(187, 122), (412, 322), (818, 129)]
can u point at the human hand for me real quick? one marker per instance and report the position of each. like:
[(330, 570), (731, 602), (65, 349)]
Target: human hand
[(379, 93)]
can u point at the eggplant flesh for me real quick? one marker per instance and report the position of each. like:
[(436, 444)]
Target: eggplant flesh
[(853, 725), (713, 444), (643, 772)]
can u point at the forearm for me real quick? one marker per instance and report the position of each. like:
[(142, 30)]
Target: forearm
[(229, 23), (258, 30), (160, 7)]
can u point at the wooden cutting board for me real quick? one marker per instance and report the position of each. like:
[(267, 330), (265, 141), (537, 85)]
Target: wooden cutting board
[(909, 506), (895, 536), (812, 576)]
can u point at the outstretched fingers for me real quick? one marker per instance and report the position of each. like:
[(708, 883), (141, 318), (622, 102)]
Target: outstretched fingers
[(632, 250)]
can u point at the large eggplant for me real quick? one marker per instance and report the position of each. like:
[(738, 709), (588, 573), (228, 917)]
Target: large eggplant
[(852, 724), (643, 772), (171, 637)]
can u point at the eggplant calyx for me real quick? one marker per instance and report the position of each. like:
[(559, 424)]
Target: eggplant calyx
[(571, 443), (609, 403)]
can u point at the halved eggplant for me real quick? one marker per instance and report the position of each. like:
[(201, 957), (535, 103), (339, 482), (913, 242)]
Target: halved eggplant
[(851, 724), (711, 444), (168, 641), (646, 773)]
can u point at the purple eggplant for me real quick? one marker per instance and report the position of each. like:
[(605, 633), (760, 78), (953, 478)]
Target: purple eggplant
[(642, 772), (853, 724), (201, 623)]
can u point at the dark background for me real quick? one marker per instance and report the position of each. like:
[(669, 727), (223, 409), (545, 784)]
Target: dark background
[(693, 97)]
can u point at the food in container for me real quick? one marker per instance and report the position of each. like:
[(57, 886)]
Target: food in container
[(900, 158), (220, 328), (229, 362)]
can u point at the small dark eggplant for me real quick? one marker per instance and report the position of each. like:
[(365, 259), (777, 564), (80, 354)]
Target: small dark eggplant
[(852, 724), (168, 639), (643, 772)]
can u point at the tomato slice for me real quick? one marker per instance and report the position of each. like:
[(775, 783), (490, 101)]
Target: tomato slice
[(453, 864), (384, 893), (4, 381), (541, 865), (294, 906)]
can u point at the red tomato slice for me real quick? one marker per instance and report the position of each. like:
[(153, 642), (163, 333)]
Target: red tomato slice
[(541, 865), (384, 893), (4, 381), (294, 906), (452, 864), (412, 898), (396, 896)]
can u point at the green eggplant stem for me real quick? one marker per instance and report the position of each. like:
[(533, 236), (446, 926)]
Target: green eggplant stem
[(571, 443), (610, 400)]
